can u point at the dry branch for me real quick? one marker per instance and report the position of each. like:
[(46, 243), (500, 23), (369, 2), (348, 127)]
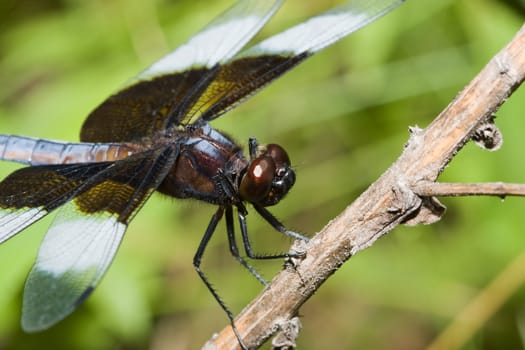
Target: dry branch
[(388, 202), (447, 189)]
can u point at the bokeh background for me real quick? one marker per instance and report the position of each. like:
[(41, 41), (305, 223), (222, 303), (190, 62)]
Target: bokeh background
[(343, 117)]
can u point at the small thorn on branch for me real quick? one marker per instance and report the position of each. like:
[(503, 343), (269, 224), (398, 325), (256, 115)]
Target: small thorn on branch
[(449, 189)]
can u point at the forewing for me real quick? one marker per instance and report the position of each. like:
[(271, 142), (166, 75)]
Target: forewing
[(169, 87), (85, 235), (261, 64), (29, 194)]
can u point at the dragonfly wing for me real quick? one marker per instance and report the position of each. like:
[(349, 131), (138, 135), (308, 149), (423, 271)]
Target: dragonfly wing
[(72, 259), (259, 65), (161, 94), (83, 239), (29, 194)]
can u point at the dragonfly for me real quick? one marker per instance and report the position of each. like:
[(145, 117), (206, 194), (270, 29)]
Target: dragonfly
[(154, 134)]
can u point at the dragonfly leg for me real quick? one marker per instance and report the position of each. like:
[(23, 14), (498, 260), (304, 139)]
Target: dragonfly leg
[(275, 224), (197, 264), (233, 246)]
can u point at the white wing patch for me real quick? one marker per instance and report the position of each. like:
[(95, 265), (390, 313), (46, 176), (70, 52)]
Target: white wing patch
[(76, 252), (200, 50), (219, 41), (75, 246), (308, 36), (325, 29)]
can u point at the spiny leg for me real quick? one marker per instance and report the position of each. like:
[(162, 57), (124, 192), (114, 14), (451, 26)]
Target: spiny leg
[(233, 246), (197, 263), (275, 224)]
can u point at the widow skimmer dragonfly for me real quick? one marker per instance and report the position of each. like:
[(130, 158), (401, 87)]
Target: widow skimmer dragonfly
[(154, 135)]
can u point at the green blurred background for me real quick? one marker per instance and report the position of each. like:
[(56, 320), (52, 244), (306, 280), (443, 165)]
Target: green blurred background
[(343, 117)]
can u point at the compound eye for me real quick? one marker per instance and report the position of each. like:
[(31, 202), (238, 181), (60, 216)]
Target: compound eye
[(279, 156), (257, 181)]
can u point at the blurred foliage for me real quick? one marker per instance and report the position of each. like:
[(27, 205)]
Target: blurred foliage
[(343, 117)]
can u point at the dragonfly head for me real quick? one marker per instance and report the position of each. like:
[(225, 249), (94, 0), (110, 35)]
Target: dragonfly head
[(268, 177)]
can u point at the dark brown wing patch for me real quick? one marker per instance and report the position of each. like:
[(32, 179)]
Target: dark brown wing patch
[(111, 186), (238, 80), (147, 107), (123, 188), (45, 186), (143, 108)]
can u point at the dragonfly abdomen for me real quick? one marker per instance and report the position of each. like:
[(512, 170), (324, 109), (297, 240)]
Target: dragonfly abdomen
[(34, 151)]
